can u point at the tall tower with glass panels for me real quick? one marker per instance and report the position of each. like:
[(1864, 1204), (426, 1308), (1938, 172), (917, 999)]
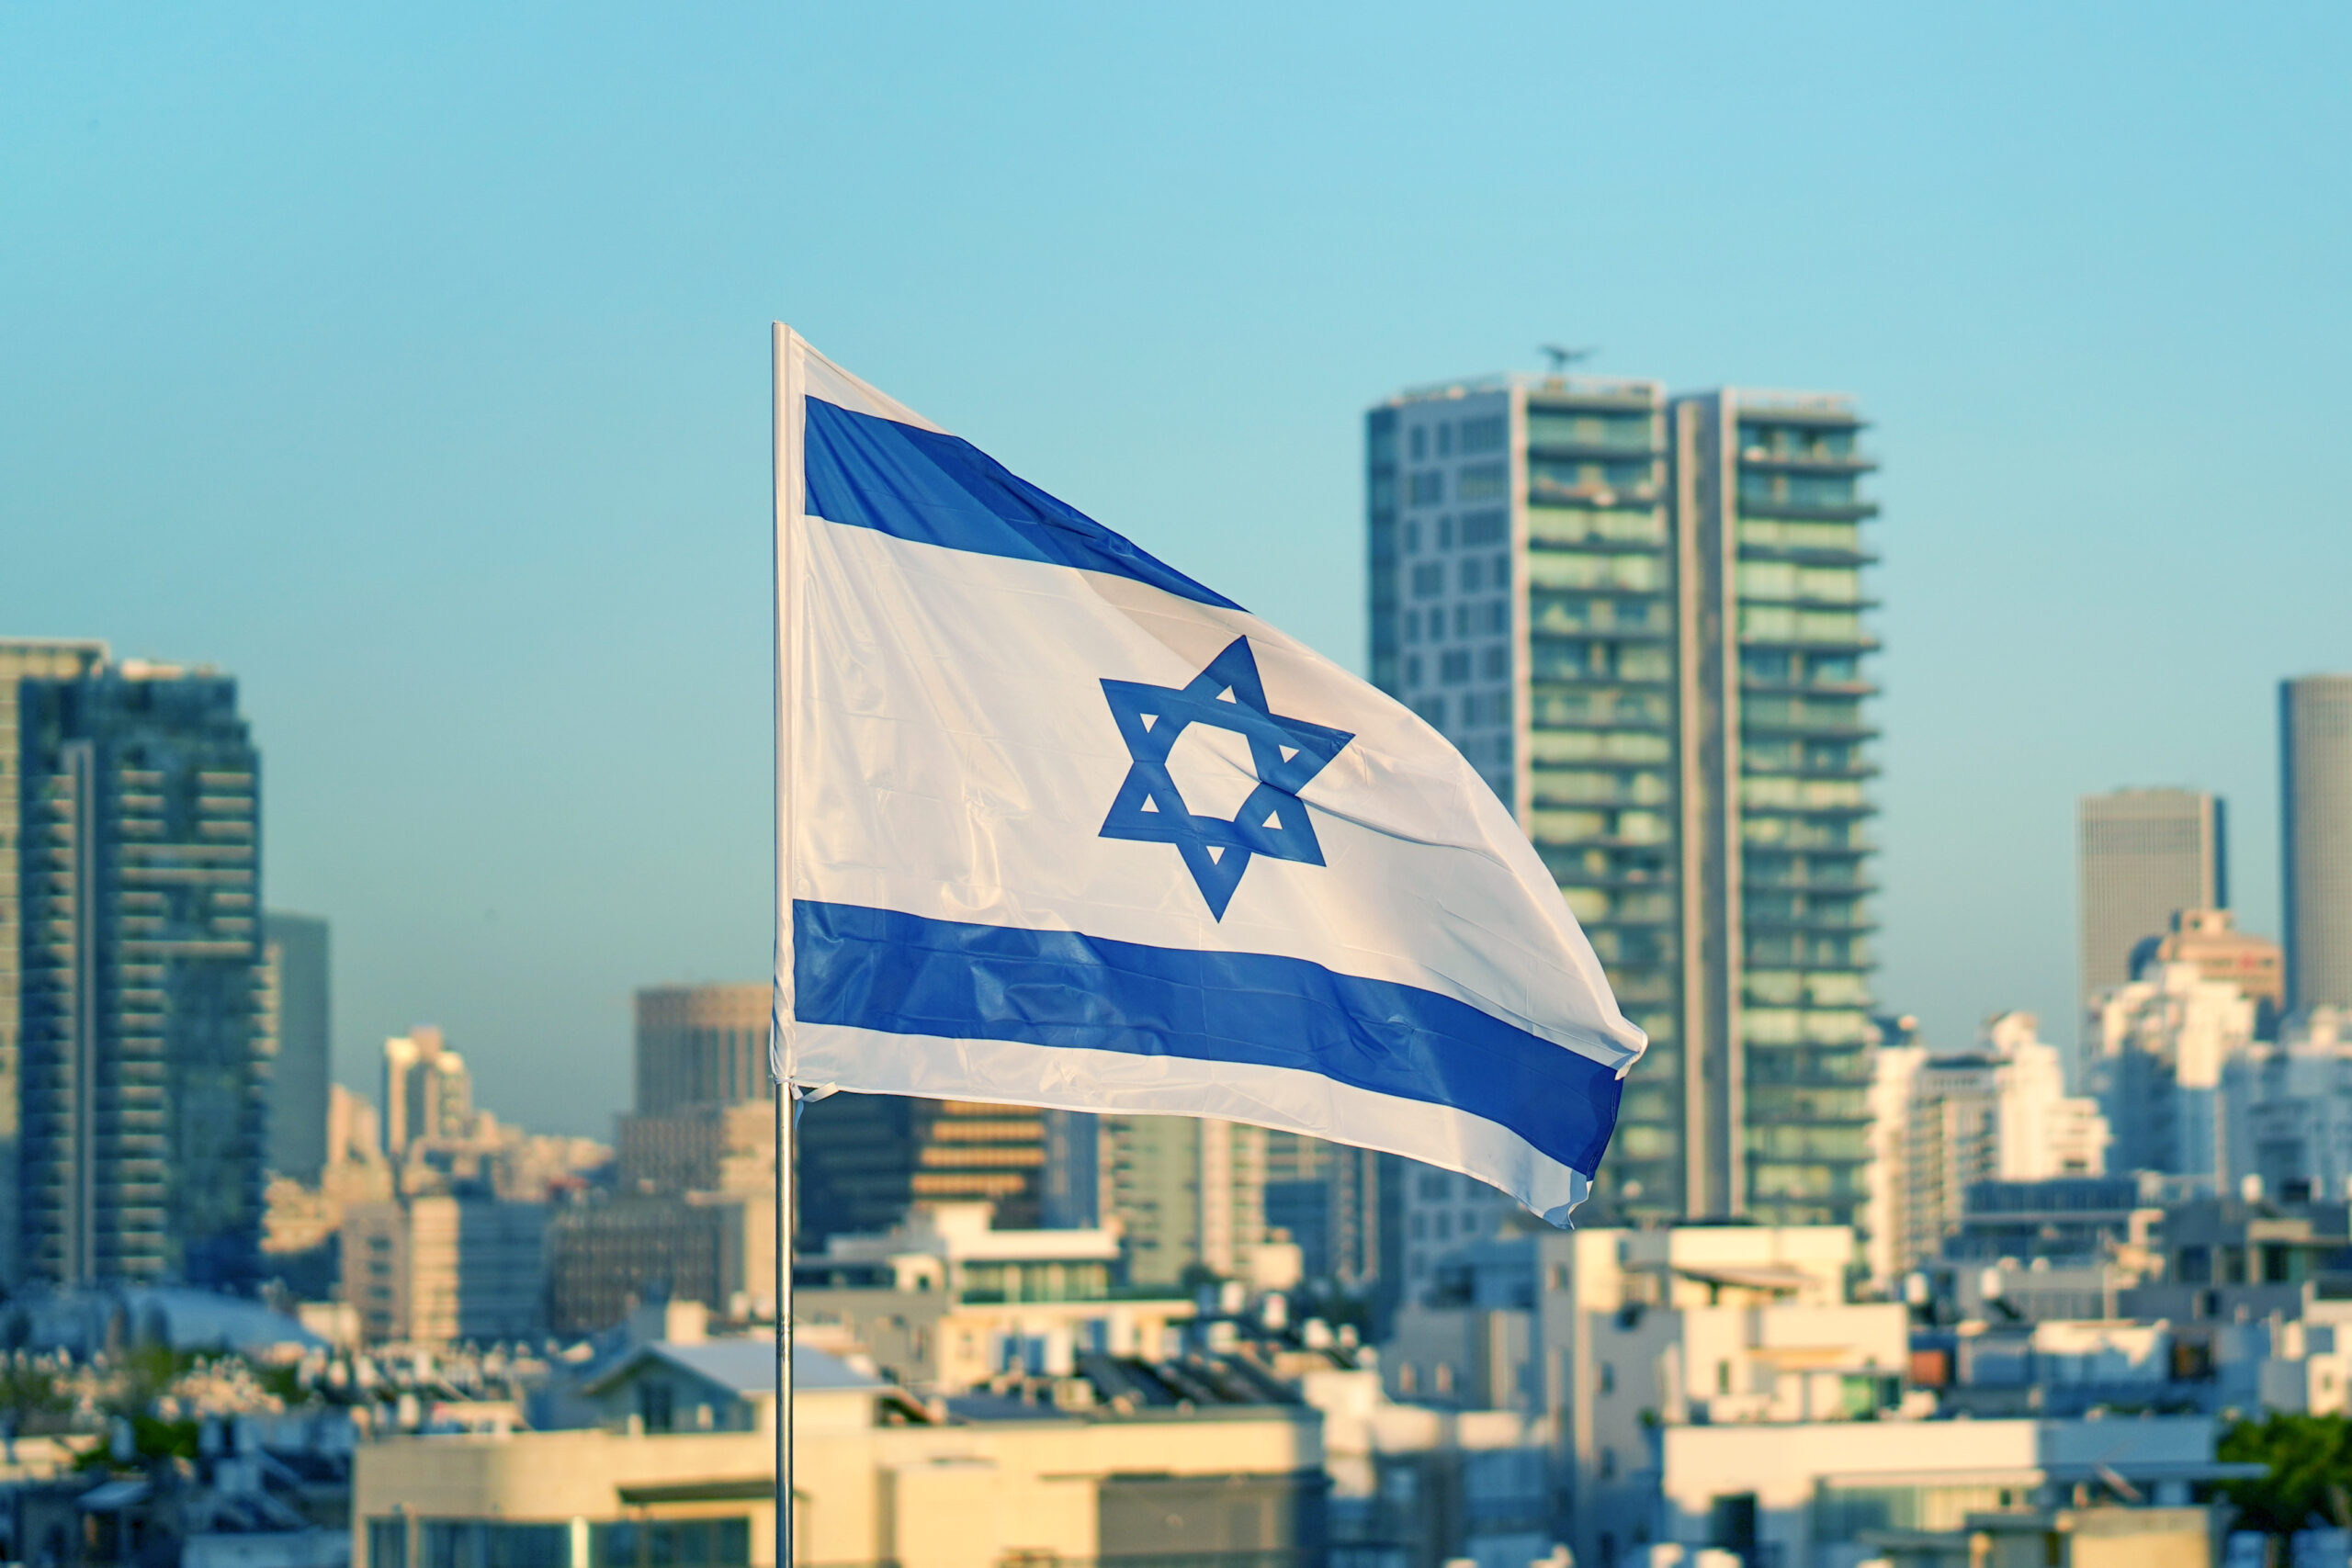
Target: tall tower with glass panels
[(1641, 617)]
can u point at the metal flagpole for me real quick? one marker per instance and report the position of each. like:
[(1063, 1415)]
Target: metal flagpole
[(788, 366)]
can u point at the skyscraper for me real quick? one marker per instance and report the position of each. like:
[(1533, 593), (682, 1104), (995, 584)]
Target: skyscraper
[(2315, 816), (295, 956), (1642, 619), (42, 659), (2146, 854), (702, 1045), (144, 1086)]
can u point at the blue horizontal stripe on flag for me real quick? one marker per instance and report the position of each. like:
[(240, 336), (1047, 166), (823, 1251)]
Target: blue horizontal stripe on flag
[(941, 490), (900, 974)]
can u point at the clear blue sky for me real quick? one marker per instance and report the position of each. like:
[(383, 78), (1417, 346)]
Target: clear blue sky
[(411, 362)]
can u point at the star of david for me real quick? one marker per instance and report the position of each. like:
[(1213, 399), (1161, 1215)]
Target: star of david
[(1285, 754)]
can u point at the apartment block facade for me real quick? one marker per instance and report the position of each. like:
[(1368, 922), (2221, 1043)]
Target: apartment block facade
[(1641, 617), (144, 1054)]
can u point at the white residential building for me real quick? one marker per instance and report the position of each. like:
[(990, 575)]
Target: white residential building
[(1442, 1212), (943, 1302), (1803, 1496), (1639, 1331), (1943, 1124), (2155, 1051), (2289, 1107)]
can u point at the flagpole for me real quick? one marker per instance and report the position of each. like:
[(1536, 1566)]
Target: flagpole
[(785, 532)]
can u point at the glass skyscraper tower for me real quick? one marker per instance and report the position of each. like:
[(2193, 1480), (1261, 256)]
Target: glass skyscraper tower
[(1641, 617)]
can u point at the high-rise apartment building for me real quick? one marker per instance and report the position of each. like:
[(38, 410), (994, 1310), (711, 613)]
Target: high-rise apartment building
[(1642, 619), (2315, 816), (143, 1081), (295, 962), (2146, 854), (39, 659), (1189, 1192)]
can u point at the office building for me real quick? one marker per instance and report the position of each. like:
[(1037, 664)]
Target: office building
[(694, 1218), (714, 1247), (863, 1160), (702, 1045), (2146, 854), (1642, 619), (144, 1083), (294, 962), (2315, 821), (442, 1268), (42, 659)]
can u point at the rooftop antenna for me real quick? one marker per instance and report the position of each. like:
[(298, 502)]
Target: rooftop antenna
[(1562, 358)]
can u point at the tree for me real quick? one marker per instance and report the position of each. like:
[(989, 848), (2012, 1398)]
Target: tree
[(2309, 1461)]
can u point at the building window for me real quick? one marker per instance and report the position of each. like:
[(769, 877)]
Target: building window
[(1412, 538), (1608, 1378), (1412, 625), (1429, 580), (1472, 575), (1445, 532), (1495, 663), (1484, 527), (1498, 617), (484, 1543), (671, 1543), (1420, 441), (1412, 669), (386, 1544), (1432, 711), (1427, 488), (1445, 440), (1453, 666), (1483, 434), (1481, 481), (653, 1405)]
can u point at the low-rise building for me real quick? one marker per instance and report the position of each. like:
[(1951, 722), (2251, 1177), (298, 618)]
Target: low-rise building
[(1128, 1460), (1821, 1495), (945, 1302)]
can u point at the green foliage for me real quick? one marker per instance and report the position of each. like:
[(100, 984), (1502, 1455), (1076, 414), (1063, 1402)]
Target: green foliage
[(27, 1390), (154, 1439), (286, 1382), (2310, 1462)]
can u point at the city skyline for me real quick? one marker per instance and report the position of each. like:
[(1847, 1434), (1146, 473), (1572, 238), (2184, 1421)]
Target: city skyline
[(445, 432)]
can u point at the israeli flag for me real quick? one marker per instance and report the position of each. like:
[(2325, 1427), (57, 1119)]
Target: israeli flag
[(1059, 825)]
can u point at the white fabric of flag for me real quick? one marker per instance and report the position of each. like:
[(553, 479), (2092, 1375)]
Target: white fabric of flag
[(1059, 825)]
